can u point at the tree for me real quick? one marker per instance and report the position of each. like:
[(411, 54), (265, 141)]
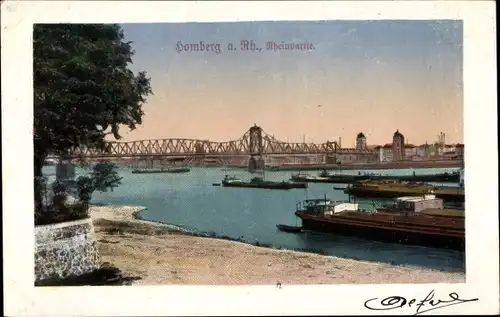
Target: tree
[(104, 177), (83, 89)]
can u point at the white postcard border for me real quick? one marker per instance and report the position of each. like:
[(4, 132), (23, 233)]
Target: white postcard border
[(21, 298)]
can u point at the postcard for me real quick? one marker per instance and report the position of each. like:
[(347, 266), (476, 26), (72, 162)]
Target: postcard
[(240, 158)]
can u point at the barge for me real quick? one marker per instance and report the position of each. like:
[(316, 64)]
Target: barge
[(411, 220), (324, 177), (393, 189), (258, 182), (160, 170)]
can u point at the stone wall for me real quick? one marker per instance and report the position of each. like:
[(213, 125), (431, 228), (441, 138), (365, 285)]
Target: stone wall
[(65, 250)]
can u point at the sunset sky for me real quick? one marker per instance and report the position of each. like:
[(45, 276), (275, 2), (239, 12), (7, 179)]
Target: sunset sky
[(362, 76)]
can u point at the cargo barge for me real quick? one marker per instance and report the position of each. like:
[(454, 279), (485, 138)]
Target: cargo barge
[(258, 182), (370, 166), (160, 170), (324, 177), (412, 220), (393, 189)]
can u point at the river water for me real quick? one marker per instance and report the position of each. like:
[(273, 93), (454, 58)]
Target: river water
[(190, 201)]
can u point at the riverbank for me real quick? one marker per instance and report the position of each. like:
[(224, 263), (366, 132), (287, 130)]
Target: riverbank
[(160, 255)]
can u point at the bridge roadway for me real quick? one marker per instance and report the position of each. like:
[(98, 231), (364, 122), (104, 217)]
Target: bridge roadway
[(255, 142)]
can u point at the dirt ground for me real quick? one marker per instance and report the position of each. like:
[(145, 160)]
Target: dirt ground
[(159, 256)]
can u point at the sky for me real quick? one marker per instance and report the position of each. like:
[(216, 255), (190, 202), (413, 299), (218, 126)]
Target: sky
[(374, 77)]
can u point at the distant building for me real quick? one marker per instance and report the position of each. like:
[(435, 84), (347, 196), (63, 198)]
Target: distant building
[(439, 149), (385, 153), (361, 141), (398, 143), (459, 150), (350, 155), (427, 150), (410, 150), (359, 154), (422, 150), (433, 150), (450, 148)]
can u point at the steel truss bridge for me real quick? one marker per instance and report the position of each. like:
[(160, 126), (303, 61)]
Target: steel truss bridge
[(255, 142)]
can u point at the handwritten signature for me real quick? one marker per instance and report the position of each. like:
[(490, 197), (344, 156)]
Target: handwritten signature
[(422, 306)]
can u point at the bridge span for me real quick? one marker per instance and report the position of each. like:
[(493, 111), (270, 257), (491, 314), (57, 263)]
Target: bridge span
[(254, 149), (255, 142)]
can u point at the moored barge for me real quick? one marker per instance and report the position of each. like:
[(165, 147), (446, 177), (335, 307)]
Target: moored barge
[(324, 177), (411, 220), (393, 189), (160, 170), (258, 182)]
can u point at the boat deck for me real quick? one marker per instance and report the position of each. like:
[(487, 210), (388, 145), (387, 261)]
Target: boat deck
[(394, 190), (444, 212), (381, 218), (407, 187)]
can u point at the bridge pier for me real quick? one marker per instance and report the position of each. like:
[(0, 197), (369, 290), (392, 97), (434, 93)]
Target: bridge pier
[(255, 163), (65, 170), (331, 159)]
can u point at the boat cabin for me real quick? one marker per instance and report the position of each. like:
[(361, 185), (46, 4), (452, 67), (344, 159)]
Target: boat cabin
[(325, 207), (257, 180), (417, 204), (301, 174), (323, 173), (230, 179)]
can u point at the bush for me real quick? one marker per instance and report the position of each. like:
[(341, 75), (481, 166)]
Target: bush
[(104, 177), (62, 213), (59, 188), (85, 188)]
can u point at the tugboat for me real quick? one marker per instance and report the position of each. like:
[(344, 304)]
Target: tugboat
[(228, 180), (259, 182)]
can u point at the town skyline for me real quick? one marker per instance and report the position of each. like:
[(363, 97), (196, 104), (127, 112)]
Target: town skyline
[(373, 77)]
